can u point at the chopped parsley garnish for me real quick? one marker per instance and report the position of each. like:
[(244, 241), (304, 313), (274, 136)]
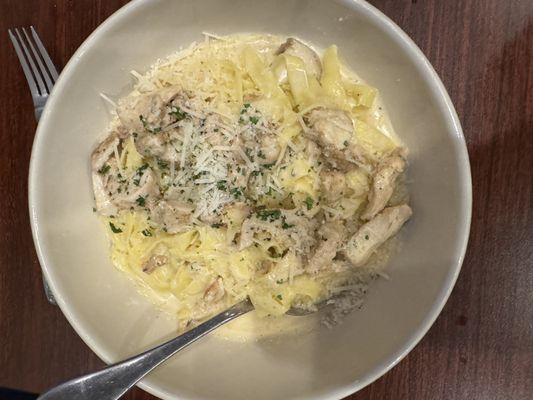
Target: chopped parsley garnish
[(279, 297), (138, 174), (279, 281), (146, 232), (254, 120), (177, 113), (367, 237), (105, 169), (285, 225), (345, 143), (121, 179), (268, 215), (141, 201), (236, 192), (260, 154), (309, 202), (145, 125), (221, 185), (217, 225), (114, 229), (162, 164), (247, 105)]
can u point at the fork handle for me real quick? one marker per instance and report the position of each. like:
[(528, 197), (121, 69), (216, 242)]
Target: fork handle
[(112, 382), (38, 112)]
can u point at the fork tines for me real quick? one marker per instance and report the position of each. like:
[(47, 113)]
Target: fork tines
[(35, 61)]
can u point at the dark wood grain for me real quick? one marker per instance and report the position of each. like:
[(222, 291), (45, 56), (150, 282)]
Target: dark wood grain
[(481, 347)]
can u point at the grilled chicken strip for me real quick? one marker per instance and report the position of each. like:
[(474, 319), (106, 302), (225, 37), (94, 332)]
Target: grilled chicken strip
[(383, 185), (333, 131), (333, 184), (101, 166), (171, 215), (375, 232), (331, 235)]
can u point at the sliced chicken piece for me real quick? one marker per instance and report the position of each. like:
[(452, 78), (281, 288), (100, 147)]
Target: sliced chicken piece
[(330, 128), (165, 145), (234, 214), (154, 262), (215, 291), (143, 194), (383, 185), (333, 131), (171, 215), (296, 48), (265, 267), (151, 145), (104, 151), (246, 235), (102, 163), (113, 192), (210, 218), (122, 132), (375, 232), (253, 225), (153, 108), (313, 151), (155, 121), (339, 266), (103, 200), (333, 185), (269, 149), (331, 235)]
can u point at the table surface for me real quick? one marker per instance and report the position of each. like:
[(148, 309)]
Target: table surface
[(481, 346)]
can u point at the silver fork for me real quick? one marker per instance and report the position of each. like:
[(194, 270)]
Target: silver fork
[(40, 79)]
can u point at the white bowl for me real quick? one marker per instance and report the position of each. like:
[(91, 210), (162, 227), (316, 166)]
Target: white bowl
[(105, 308)]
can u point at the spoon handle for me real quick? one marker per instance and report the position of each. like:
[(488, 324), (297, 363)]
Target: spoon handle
[(112, 382)]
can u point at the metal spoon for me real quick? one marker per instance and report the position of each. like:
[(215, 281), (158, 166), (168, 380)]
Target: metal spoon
[(112, 382)]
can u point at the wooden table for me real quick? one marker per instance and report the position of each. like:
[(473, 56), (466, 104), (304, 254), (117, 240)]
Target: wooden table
[(481, 347)]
